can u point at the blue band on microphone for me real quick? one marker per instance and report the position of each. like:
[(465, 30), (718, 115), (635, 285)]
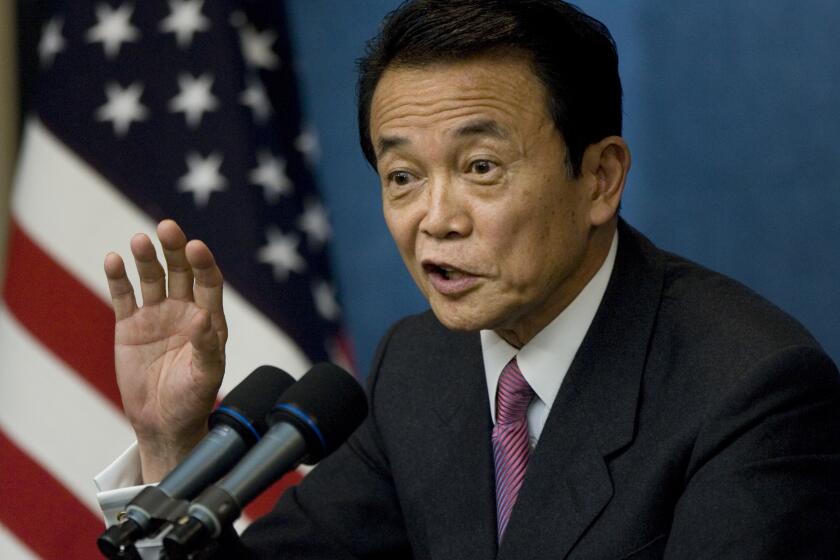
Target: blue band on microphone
[(301, 415), (242, 420)]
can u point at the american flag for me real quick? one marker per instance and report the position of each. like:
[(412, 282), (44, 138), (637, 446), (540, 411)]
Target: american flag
[(184, 109)]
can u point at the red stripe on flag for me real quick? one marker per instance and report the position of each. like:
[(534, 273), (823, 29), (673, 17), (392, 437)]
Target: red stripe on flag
[(40, 511), (61, 312), (264, 503)]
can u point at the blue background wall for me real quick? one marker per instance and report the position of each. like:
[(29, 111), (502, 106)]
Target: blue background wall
[(731, 114)]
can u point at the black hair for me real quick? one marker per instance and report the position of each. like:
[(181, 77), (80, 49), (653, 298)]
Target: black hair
[(572, 54)]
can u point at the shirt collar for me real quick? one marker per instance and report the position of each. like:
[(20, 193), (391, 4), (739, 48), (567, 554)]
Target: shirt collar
[(546, 358)]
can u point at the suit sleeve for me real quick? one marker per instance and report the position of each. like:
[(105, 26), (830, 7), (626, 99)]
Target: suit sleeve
[(344, 508), (764, 477)]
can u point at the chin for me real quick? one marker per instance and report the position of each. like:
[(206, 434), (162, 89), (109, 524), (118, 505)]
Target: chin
[(461, 319)]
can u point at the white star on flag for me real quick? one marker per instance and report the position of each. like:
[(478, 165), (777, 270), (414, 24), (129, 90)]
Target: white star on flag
[(315, 222), (325, 302), (282, 254), (113, 28), (271, 175), (256, 47), (307, 144), (195, 98), (203, 177), (256, 98), (185, 20), (123, 107), (52, 42)]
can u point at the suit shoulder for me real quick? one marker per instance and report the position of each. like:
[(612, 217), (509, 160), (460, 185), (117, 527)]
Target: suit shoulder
[(719, 329), (715, 306)]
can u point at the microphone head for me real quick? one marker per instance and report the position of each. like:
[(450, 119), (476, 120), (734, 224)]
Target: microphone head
[(245, 407), (325, 406)]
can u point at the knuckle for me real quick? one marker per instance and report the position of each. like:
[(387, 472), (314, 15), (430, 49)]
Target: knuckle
[(179, 267)]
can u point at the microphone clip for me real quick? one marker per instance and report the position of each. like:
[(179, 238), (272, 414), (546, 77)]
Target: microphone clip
[(208, 517), (150, 510)]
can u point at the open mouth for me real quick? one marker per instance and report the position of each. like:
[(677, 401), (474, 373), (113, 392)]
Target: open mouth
[(448, 280), (443, 271)]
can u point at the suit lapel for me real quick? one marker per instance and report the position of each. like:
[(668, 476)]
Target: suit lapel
[(463, 498), (567, 483)]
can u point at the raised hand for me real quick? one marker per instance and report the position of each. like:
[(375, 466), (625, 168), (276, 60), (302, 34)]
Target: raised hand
[(169, 353)]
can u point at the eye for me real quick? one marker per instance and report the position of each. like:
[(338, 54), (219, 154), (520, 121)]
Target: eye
[(482, 166), (484, 171), (401, 180)]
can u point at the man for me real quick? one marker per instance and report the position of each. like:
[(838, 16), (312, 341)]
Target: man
[(575, 392)]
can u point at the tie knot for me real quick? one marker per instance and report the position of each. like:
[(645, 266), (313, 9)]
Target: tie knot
[(513, 394)]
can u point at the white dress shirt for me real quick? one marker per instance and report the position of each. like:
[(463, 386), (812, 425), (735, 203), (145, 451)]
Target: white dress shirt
[(545, 359)]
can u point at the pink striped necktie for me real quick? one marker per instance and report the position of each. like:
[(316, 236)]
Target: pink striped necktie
[(510, 440)]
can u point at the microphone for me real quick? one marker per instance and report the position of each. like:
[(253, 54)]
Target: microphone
[(235, 426), (311, 419)]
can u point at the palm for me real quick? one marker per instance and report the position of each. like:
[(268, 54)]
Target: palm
[(155, 370)]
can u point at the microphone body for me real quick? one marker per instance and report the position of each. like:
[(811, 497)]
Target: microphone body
[(282, 451), (208, 461), (278, 452), (309, 421), (235, 426)]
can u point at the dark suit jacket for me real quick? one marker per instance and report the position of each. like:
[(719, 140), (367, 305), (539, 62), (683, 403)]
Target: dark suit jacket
[(696, 421)]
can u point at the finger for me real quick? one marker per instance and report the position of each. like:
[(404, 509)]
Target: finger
[(179, 274), (208, 356), (152, 279), (208, 277), (119, 286)]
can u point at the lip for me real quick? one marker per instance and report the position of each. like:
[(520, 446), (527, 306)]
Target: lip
[(447, 279)]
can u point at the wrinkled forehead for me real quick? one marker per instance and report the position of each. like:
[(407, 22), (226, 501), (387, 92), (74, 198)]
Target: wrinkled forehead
[(501, 93)]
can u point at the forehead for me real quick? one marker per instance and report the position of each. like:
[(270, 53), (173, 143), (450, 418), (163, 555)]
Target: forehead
[(494, 89)]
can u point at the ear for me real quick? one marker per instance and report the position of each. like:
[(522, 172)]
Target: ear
[(605, 165)]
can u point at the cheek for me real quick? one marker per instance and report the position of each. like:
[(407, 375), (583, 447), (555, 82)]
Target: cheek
[(399, 228), (513, 250), (404, 233), (532, 247)]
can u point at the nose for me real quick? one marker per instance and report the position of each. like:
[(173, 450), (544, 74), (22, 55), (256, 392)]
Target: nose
[(447, 215)]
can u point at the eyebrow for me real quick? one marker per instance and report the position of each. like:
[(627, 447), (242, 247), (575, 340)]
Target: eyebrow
[(388, 143), (481, 127)]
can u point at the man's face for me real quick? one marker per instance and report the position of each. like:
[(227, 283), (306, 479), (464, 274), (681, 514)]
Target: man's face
[(477, 196)]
